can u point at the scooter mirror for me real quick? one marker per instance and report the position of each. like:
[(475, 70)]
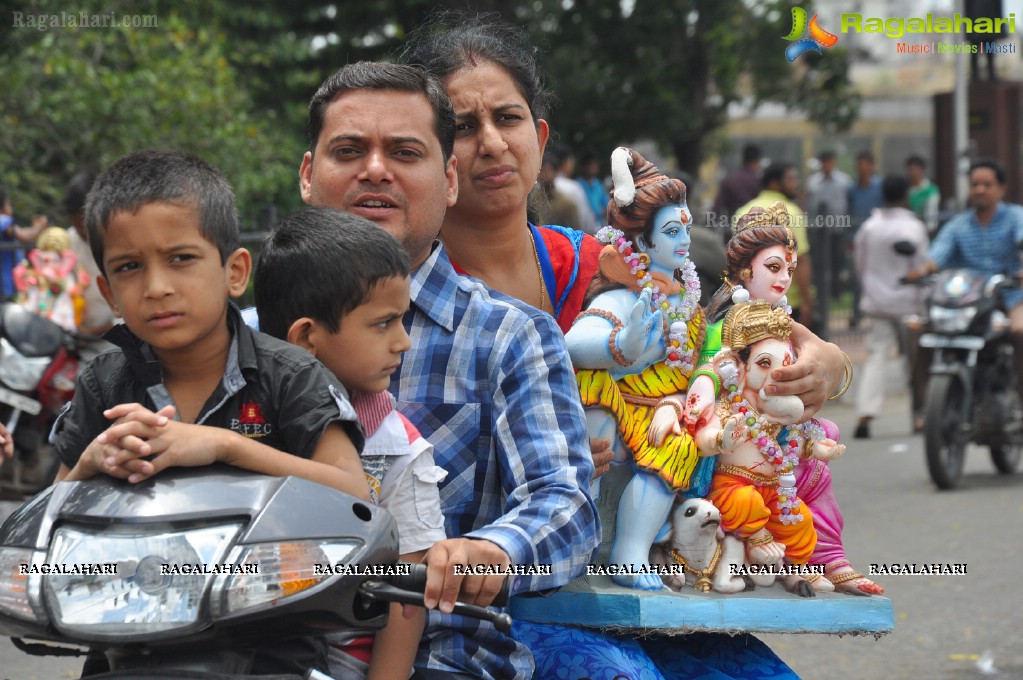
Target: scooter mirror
[(906, 248)]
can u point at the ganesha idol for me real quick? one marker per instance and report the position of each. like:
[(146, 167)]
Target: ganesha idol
[(759, 443), (51, 282)]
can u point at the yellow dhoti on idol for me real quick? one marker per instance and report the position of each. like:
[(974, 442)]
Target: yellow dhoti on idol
[(631, 400)]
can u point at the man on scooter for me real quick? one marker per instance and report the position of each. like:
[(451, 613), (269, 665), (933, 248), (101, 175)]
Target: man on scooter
[(487, 380), (984, 238)]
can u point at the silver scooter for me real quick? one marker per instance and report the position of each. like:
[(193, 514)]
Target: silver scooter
[(191, 573)]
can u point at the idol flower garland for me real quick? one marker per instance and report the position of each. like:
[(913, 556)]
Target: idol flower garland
[(766, 435), (677, 352)]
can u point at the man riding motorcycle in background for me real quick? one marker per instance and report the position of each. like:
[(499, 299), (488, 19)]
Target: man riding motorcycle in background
[(985, 239)]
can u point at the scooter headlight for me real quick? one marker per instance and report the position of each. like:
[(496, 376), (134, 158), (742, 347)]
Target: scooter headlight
[(266, 573), (15, 588), (103, 585), (945, 320), (20, 372)]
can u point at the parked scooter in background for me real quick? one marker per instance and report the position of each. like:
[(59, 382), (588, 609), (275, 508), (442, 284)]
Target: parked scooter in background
[(190, 573), (38, 364)]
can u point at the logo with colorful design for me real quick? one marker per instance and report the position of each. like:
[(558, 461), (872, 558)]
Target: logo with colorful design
[(251, 422), (818, 36)]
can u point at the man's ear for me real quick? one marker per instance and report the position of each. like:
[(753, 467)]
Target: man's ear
[(451, 175), (305, 177), (304, 334), (108, 295), (239, 268)]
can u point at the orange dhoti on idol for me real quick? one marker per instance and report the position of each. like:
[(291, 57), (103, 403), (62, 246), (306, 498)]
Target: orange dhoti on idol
[(749, 502)]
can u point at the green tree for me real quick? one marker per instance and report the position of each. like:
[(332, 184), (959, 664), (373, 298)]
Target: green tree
[(666, 70), (231, 81), (80, 97), (669, 70)]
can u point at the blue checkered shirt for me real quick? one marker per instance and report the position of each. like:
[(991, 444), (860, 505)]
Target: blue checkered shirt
[(963, 242), (489, 383)]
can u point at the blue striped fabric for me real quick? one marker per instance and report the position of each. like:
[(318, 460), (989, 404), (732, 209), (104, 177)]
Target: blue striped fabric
[(991, 249), (489, 383)]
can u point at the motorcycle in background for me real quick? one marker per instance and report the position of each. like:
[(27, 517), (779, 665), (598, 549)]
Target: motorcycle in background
[(190, 573), (38, 364), (971, 388)]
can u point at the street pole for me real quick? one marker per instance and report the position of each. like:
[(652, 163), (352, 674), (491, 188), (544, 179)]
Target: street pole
[(961, 127)]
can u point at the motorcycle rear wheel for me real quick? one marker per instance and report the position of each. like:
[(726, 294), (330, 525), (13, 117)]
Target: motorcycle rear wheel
[(944, 441)]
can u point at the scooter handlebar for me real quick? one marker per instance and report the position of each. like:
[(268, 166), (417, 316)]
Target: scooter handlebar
[(415, 581), (408, 589)]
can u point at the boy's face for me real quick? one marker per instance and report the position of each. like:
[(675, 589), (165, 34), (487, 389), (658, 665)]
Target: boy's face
[(166, 280), (367, 348)]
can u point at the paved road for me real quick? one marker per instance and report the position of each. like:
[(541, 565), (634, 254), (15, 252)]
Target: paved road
[(944, 624)]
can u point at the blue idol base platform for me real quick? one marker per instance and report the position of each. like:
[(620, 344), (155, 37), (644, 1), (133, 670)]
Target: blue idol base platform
[(596, 602)]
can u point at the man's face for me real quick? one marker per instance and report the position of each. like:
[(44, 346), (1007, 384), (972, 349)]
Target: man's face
[(864, 167), (790, 183), (827, 166), (378, 156), (915, 173), (985, 191)]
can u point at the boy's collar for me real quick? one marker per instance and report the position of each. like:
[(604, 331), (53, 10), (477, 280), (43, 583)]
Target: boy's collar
[(146, 366)]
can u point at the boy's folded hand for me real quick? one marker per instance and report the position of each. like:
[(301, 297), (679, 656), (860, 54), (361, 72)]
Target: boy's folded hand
[(137, 412), (180, 444), (120, 451)]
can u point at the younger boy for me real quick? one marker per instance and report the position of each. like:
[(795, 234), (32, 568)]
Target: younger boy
[(346, 308)]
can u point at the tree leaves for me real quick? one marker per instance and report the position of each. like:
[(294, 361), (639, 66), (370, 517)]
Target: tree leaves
[(231, 81), (81, 98)]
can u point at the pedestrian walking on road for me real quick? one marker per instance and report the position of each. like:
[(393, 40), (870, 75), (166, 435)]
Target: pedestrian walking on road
[(885, 300)]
